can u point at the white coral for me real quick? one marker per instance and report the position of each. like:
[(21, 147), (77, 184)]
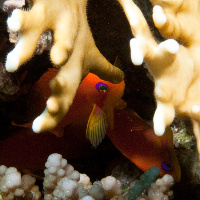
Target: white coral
[(60, 179), (63, 182), (160, 190), (13, 185)]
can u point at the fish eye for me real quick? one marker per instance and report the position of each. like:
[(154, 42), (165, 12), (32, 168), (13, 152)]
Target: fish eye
[(166, 166), (101, 87)]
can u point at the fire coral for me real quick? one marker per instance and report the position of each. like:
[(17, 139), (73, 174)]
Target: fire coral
[(173, 63), (74, 50)]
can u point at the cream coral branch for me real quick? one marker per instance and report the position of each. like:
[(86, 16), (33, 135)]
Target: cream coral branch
[(173, 19), (74, 50), (174, 66)]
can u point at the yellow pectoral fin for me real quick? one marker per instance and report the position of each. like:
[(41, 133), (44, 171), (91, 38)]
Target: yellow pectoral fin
[(97, 126)]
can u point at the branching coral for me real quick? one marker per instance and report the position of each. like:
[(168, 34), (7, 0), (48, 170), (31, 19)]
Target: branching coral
[(13, 185), (161, 188), (62, 182), (175, 67), (74, 50), (146, 188), (144, 183)]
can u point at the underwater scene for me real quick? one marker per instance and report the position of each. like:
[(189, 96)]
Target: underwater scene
[(99, 100)]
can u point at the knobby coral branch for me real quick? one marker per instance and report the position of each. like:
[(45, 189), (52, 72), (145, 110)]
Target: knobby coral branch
[(62, 181), (174, 65), (74, 50)]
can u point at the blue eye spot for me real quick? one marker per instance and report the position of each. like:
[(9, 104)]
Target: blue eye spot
[(101, 87), (166, 166)]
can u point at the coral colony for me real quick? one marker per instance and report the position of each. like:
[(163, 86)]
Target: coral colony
[(62, 182), (173, 64), (74, 50)]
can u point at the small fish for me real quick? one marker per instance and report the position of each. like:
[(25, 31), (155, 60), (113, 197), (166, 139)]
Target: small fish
[(93, 104), (136, 140)]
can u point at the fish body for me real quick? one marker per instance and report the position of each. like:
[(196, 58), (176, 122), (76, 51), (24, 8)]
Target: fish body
[(26, 150), (94, 108), (136, 140), (132, 136), (94, 97)]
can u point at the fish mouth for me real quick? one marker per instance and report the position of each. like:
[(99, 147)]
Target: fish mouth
[(171, 169), (176, 175)]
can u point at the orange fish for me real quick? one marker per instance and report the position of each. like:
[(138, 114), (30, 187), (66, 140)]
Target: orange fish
[(137, 141), (132, 136), (93, 104)]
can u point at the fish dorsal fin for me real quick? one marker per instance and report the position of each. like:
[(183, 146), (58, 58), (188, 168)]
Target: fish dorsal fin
[(118, 63), (97, 126), (58, 132)]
